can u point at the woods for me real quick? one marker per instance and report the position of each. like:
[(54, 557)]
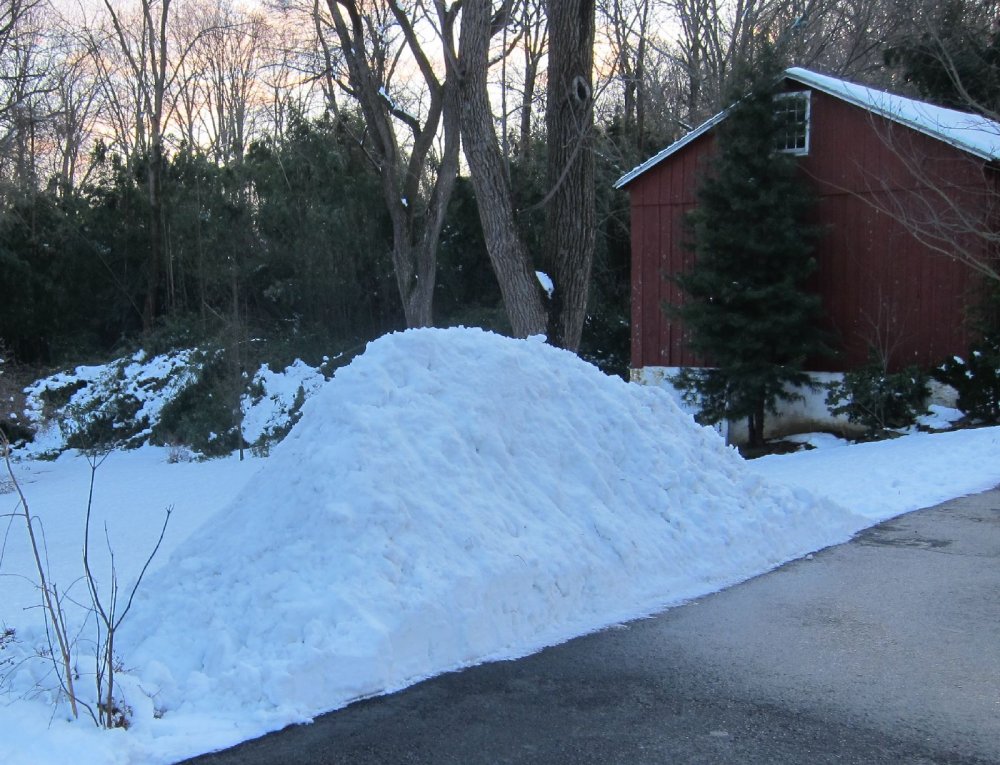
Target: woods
[(303, 176)]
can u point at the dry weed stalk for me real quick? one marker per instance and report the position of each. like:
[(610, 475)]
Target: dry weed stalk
[(50, 596)]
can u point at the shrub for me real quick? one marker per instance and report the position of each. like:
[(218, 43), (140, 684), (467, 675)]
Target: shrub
[(204, 414), (57, 397), (13, 422), (977, 380), (104, 424), (877, 400)]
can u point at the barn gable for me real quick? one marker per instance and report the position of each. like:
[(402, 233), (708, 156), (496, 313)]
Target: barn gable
[(969, 132), (868, 154)]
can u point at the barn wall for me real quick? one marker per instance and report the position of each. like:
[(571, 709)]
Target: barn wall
[(880, 286), (659, 200)]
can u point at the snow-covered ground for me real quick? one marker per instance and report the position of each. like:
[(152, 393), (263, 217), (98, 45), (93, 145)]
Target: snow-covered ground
[(451, 497)]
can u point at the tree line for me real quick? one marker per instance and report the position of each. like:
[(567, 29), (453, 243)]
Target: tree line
[(312, 173)]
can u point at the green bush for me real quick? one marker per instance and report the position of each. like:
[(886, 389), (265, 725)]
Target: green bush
[(871, 397), (204, 415), (976, 379), (104, 424)]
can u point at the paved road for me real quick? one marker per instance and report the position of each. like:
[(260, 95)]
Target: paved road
[(882, 650)]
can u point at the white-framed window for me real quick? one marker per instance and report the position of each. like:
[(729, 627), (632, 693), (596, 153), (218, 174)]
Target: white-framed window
[(793, 111)]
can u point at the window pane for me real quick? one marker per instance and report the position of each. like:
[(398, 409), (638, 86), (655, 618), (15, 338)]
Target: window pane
[(792, 110)]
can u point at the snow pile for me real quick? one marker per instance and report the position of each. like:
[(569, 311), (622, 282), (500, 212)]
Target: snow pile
[(882, 479), (450, 497)]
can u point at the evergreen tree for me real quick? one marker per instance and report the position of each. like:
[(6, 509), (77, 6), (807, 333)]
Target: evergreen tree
[(326, 270), (745, 307)]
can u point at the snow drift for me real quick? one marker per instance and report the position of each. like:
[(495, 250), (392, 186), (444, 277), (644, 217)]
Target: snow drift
[(450, 497)]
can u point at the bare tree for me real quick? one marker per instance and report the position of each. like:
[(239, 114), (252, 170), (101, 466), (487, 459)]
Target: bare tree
[(140, 62), (530, 40), (220, 88), (76, 116), (52, 600), (715, 36), (105, 606), (627, 27), (416, 183), (109, 611), (842, 37), (509, 255), (25, 82), (299, 64), (189, 95), (569, 201)]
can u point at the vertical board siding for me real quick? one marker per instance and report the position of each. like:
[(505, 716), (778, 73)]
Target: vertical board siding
[(881, 288)]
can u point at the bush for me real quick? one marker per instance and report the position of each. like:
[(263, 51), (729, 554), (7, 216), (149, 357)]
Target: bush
[(872, 397), (111, 404), (977, 380), (103, 424), (204, 414), (13, 422)]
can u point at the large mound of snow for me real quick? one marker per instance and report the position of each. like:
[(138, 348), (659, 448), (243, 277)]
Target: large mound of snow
[(451, 496)]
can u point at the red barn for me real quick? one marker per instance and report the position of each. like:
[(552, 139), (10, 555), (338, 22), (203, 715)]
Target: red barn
[(906, 194)]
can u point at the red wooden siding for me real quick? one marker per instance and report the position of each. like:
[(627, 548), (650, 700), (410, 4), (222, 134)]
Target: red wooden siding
[(879, 285), (659, 201)]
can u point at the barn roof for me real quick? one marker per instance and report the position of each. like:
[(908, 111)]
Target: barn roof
[(968, 132)]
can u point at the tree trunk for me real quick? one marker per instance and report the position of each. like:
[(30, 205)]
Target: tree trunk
[(755, 427), (155, 263), (570, 214), (416, 229), (414, 267), (527, 98), (522, 294)]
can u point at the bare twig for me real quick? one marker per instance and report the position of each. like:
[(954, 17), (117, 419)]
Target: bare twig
[(56, 619), (109, 618)]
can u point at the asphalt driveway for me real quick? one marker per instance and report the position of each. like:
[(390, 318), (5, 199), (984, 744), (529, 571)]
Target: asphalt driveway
[(882, 650)]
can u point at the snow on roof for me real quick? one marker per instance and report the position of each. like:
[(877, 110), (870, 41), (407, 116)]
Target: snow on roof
[(675, 146), (969, 132)]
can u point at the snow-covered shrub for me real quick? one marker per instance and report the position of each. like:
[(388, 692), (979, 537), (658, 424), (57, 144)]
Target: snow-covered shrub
[(976, 379), (273, 401), (195, 401), (101, 406), (872, 397)]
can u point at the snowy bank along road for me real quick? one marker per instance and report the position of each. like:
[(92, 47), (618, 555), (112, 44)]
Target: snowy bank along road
[(883, 650), (448, 499)]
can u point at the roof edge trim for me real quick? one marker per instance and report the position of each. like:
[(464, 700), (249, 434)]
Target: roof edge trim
[(680, 143)]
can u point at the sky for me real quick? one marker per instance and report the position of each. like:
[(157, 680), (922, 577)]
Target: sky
[(450, 497)]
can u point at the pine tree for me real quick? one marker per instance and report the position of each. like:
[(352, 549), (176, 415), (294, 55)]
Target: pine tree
[(745, 308)]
